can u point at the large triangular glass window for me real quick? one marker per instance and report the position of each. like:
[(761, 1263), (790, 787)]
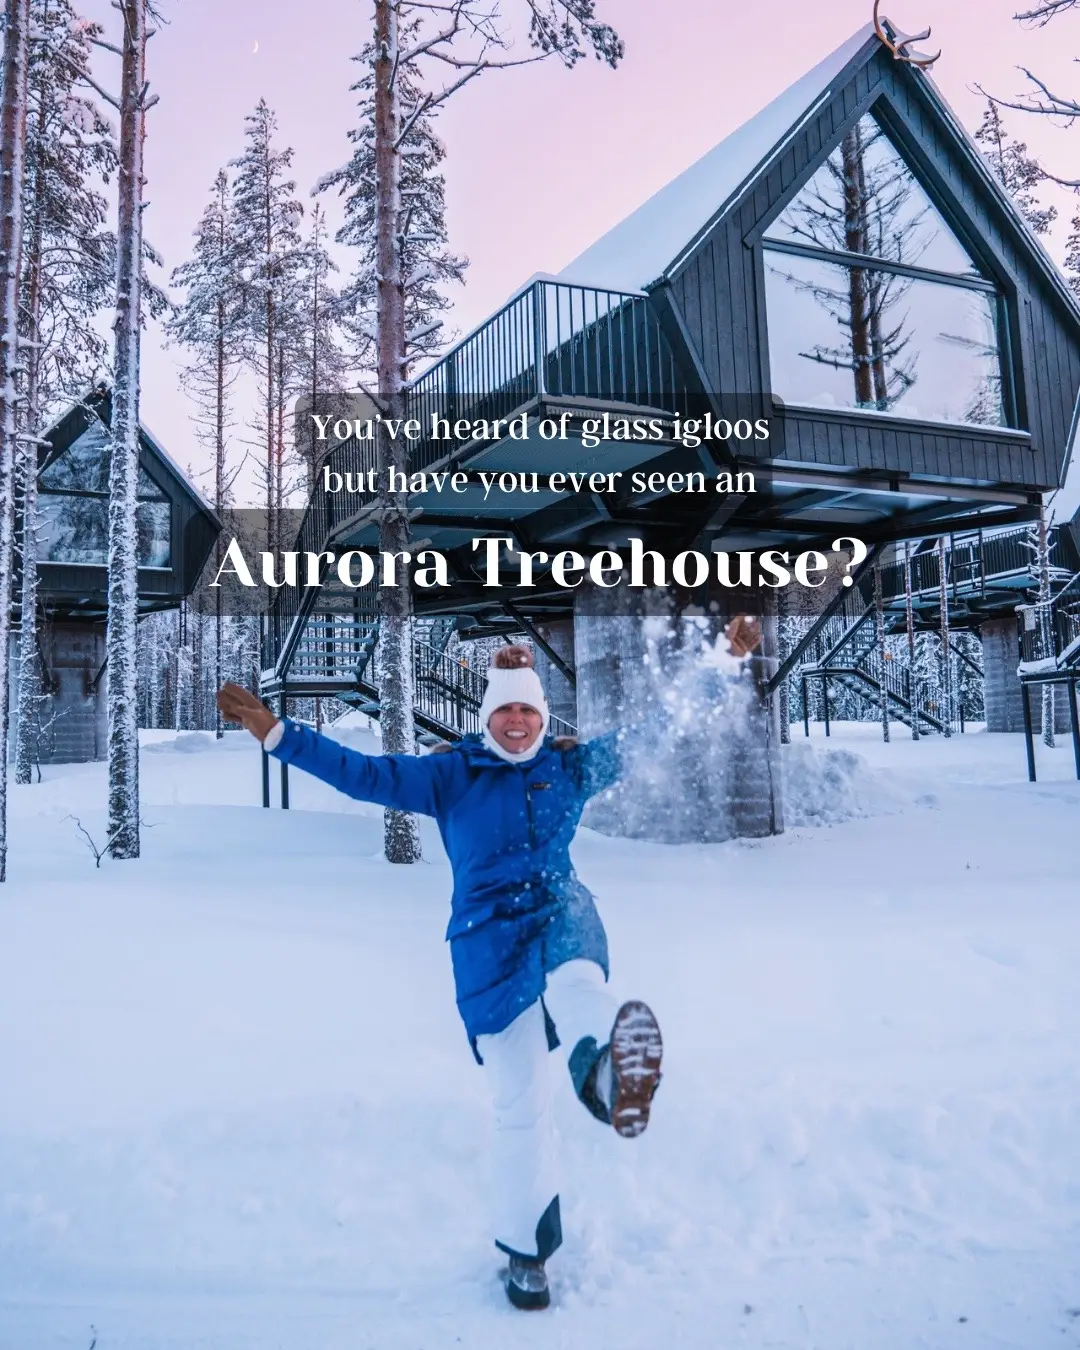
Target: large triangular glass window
[(865, 199), (873, 303)]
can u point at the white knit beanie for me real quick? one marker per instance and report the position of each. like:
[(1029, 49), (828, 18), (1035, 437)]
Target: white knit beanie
[(513, 679)]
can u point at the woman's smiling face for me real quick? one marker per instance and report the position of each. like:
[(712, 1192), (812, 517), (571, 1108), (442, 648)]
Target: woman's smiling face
[(515, 726)]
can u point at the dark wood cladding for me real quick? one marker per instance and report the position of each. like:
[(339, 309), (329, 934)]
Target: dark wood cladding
[(718, 293), (895, 445)]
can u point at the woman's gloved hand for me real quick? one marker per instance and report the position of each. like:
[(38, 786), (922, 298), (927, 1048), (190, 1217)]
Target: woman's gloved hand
[(744, 635), (238, 705)]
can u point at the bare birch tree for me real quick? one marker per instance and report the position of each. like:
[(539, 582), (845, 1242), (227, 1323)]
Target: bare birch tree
[(121, 642), (12, 179), (914, 690), (1038, 544)]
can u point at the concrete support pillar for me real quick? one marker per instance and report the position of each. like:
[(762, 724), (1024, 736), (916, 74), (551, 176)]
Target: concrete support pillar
[(1001, 654), (1001, 689), (707, 768), (562, 697)]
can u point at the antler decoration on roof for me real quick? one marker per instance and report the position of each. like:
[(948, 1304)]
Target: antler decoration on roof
[(899, 43)]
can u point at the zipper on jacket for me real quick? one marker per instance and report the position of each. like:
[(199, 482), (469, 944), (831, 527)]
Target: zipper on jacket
[(529, 809)]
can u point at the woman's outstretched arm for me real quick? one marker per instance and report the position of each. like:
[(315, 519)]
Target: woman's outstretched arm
[(402, 782)]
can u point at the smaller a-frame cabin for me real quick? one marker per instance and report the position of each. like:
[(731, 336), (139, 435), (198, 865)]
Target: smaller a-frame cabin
[(176, 533)]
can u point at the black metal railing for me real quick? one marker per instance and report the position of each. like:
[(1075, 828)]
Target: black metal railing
[(848, 651), (971, 561), (352, 459), (338, 649), (1050, 629), (552, 340)]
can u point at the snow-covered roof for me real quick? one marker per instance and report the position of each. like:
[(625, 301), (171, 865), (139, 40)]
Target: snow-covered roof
[(1064, 505), (184, 478), (641, 248), (98, 391)]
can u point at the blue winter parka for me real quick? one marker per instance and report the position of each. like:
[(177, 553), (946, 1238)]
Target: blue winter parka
[(518, 909)]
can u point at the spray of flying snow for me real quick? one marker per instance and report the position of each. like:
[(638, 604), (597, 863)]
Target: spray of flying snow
[(690, 712)]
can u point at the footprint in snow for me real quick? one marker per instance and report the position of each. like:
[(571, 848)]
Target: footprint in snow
[(1001, 953)]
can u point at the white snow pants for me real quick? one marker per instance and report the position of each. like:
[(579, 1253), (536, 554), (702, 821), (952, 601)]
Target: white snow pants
[(517, 1064)]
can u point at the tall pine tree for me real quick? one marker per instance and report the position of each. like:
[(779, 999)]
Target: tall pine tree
[(323, 366), (209, 325), (266, 223)]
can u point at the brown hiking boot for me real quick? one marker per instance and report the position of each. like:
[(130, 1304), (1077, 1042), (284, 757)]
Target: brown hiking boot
[(634, 1054)]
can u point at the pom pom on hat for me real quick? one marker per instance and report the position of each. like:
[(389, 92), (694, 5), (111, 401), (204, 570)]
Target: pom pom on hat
[(514, 657)]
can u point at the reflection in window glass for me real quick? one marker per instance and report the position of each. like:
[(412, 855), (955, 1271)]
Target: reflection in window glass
[(148, 490), (152, 522), (76, 530), (865, 199), (84, 465), (852, 337), (74, 507)]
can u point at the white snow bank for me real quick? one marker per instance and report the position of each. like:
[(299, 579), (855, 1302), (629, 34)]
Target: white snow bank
[(827, 786), (193, 742), (239, 1112)]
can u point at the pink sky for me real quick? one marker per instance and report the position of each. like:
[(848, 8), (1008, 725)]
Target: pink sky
[(540, 161)]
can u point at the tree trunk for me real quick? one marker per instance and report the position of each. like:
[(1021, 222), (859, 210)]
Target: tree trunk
[(12, 172), (1043, 563), (271, 335), (28, 712), (121, 637), (883, 665), (946, 655), (219, 483), (914, 692), (394, 668), (313, 447)]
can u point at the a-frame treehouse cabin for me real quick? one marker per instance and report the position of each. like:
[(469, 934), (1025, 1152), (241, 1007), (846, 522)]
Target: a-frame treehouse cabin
[(845, 263), (176, 533)]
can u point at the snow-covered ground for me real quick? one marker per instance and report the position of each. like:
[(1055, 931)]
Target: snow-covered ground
[(237, 1109)]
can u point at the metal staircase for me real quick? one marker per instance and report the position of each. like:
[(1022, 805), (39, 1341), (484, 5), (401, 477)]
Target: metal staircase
[(1050, 633), (329, 653), (854, 661)]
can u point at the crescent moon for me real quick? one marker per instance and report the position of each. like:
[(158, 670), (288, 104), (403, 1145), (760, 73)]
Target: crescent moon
[(255, 48)]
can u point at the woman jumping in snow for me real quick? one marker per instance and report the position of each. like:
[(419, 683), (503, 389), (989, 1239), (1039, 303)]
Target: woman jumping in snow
[(528, 948)]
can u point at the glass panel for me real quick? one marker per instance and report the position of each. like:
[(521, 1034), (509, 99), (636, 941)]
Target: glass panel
[(850, 337), (148, 489), (76, 530), (153, 521), (865, 199), (84, 465)]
